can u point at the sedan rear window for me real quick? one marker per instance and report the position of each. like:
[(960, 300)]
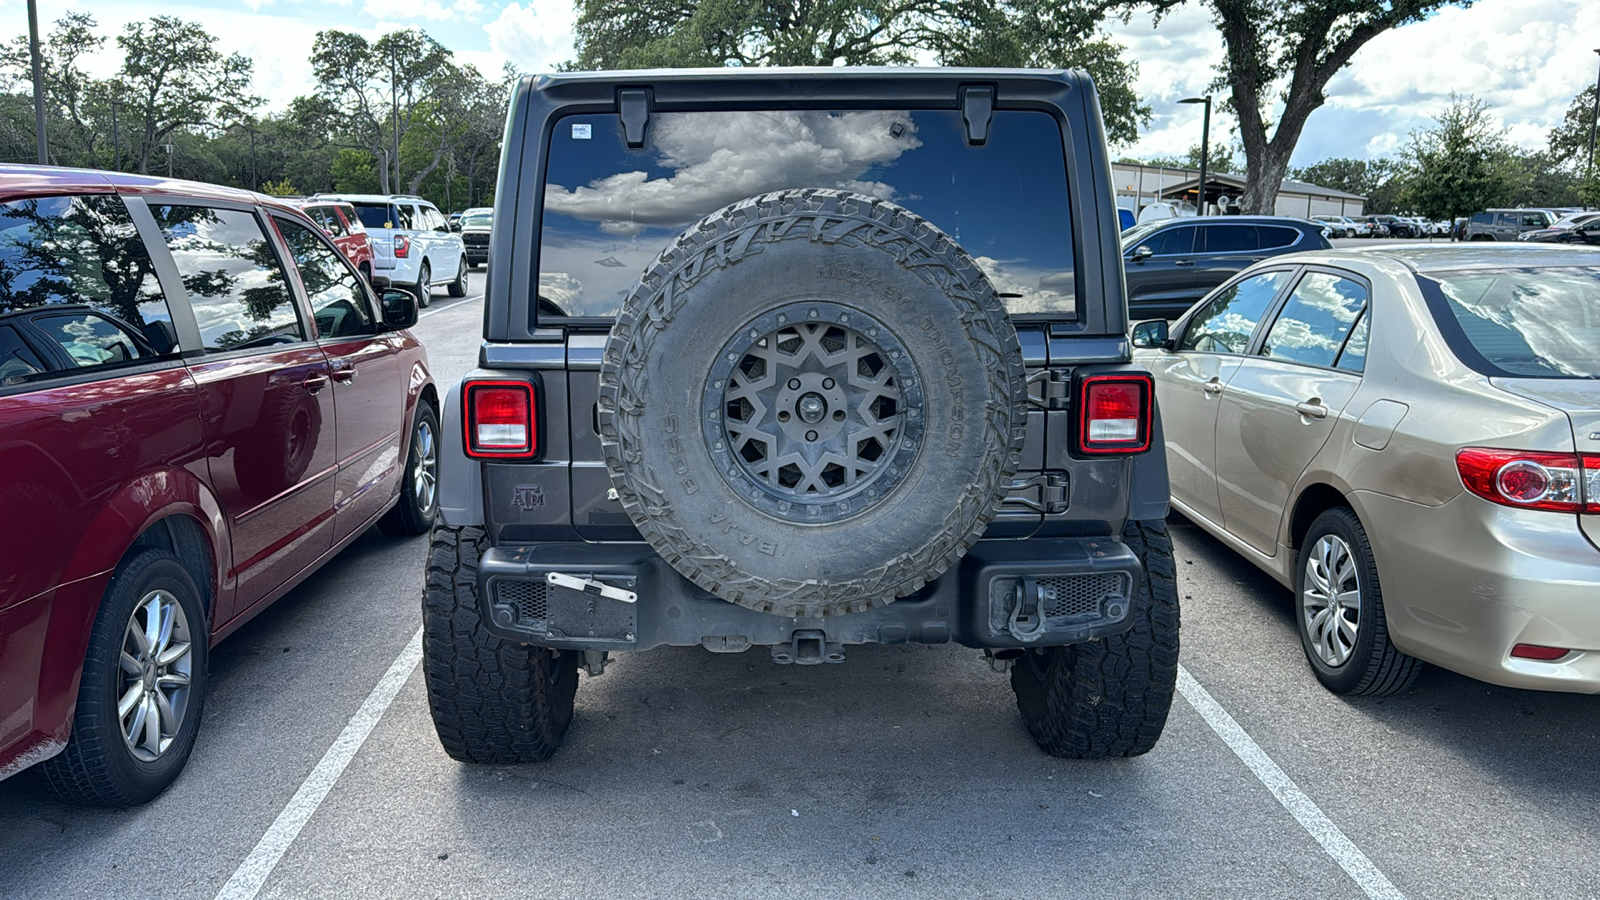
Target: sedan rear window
[(1525, 323)]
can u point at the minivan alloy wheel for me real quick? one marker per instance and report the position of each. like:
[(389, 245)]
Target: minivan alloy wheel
[(424, 469), (1330, 600), (156, 665)]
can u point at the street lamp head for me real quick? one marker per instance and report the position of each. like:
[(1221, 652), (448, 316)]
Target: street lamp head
[(1205, 99)]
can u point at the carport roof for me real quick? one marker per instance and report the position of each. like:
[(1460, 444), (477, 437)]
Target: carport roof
[(1290, 187)]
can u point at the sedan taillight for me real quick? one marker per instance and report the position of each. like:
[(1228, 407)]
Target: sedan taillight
[(1114, 413), (499, 418), (1561, 482)]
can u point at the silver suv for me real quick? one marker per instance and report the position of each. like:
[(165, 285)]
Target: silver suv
[(411, 242), (1506, 224)]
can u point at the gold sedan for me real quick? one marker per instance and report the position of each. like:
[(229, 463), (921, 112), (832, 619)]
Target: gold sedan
[(1409, 439)]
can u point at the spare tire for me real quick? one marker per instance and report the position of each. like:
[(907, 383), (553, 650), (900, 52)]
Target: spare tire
[(812, 403)]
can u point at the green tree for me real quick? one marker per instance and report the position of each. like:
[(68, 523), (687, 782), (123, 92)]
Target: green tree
[(1461, 165), (73, 99), (1279, 57), (1382, 181), (173, 77), (616, 34), (1220, 159), (1569, 141)]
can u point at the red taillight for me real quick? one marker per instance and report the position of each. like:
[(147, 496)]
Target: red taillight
[(1562, 482), (402, 246), (1539, 652), (1114, 413), (499, 418)]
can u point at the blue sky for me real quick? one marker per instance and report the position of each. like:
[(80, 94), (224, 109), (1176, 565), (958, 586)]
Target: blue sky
[(1526, 57)]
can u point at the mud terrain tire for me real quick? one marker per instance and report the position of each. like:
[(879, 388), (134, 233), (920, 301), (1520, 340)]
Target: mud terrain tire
[(812, 403), (1110, 697)]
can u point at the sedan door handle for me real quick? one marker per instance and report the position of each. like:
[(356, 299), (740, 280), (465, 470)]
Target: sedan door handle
[(1212, 387), (314, 382), (1183, 262), (1312, 410)]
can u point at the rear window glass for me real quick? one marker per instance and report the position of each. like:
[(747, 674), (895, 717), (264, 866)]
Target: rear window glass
[(378, 215), (1527, 323), (609, 210), (476, 220)]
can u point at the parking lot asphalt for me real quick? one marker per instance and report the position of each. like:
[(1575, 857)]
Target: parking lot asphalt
[(905, 771)]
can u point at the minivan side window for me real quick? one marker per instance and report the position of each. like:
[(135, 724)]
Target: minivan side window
[(76, 276), (338, 304), (234, 279), (1315, 320), (1225, 323)]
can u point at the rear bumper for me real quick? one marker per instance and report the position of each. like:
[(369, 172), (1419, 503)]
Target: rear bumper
[(1466, 581), (1092, 582)]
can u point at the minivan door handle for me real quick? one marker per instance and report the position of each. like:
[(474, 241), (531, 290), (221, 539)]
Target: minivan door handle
[(1312, 409)]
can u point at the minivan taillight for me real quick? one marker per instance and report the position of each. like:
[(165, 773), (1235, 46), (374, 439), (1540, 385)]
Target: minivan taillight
[(1114, 413), (402, 246), (500, 420), (1560, 482)]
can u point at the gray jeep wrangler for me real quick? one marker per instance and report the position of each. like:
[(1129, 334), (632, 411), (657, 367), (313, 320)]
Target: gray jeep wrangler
[(802, 359)]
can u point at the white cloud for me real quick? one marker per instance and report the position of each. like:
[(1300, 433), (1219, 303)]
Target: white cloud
[(718, 159), (430, 10), (533, 38), (1521, 56)]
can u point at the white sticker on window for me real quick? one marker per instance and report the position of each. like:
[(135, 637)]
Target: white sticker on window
[(580, 131)]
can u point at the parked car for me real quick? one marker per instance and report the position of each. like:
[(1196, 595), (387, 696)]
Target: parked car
[(1126, 219), (1562, 226), (720, 448), (1409, 439), (1375, 227), (412, 242), (340, 223), (183, 439), (476, 225), (1398, 227), (1341, 226), (1171, 264), (1506, 224)]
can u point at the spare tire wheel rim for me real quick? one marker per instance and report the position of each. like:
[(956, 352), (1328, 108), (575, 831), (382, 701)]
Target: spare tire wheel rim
[(814, 412)]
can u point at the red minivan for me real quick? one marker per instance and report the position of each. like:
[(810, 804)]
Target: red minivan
[(341, 224), (183, 438)]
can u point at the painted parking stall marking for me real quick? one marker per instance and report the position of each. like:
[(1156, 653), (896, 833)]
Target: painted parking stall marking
[(1344, 851), (258, 866)]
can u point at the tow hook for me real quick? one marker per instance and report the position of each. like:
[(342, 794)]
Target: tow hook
[(1027, 619)]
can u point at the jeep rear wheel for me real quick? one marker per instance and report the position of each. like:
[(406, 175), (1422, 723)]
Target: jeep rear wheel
[(812, 403), (1110, 697), (493, 701)]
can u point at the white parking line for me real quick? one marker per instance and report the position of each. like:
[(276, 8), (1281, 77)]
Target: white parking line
[(442, 309), (254, 871), (1342, 849)]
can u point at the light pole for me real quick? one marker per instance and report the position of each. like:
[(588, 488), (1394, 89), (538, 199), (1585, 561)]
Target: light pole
[(1594, 117), (394, 101), (1205, 148), (38, 82)]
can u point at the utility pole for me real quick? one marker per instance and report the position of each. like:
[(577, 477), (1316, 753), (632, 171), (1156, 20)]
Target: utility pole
[(116, 145), (38, 82), (169, 157), (253, 160)]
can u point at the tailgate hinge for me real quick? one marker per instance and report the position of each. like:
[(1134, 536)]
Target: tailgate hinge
[(1052, 492), (1055, 387)]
